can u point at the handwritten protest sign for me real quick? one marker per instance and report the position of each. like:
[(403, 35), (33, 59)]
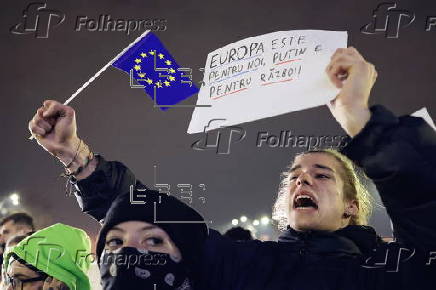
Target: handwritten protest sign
[(265, 76)]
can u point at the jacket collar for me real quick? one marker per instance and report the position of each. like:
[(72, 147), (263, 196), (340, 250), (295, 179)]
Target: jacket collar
[(353, 239)]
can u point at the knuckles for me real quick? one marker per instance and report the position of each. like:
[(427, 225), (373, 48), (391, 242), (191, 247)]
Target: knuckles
[(69, 111), (55, 106)]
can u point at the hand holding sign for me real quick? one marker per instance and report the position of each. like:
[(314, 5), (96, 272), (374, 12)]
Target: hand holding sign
[(350, 108), (360, 75)]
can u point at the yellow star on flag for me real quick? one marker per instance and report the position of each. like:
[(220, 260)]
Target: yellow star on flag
[(137, 60), (167, 83), (151, 52), (171, 78), (161, 56), (168, 62), (143, 54), (172, 70), (141, 75), (159, 84), (137, 67), (149, 81)]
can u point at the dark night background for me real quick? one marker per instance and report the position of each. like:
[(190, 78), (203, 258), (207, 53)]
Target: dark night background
[(121, 123)]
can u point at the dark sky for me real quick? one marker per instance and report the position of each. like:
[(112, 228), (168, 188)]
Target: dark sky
[(121, 123)]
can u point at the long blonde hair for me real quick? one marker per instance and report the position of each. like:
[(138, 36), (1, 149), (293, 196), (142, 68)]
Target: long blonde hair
[(353, 190)]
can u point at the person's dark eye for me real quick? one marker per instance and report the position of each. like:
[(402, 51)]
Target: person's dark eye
[(291, 178), (114, 242), (154, 241), (322, 176)]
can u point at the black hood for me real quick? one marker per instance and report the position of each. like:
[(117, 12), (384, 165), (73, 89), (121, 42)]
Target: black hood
[(171, 214)]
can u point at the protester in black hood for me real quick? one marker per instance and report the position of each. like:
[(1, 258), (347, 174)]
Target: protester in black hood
[(326, 243), (137, 246)]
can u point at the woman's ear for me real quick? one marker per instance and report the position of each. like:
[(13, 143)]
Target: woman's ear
[(52, 283), (351, 208)]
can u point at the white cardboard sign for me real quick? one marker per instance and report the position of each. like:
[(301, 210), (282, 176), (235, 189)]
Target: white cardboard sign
[(266, 76)]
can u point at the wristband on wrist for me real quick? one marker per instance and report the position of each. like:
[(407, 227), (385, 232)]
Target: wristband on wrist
[(71, 176), (75, 155)]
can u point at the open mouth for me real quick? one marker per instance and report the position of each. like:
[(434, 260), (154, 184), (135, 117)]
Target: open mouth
[(304, 201)]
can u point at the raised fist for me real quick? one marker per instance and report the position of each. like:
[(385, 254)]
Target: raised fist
[(54, 127)]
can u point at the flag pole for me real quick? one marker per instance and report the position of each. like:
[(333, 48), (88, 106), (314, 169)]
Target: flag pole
[(97, 74), (104, 68)]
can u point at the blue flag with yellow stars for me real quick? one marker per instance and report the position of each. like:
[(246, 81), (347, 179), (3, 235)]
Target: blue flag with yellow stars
[(154, 69)]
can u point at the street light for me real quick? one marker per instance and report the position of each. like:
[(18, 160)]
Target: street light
[(243, 218), (235, 222), (15, 198), (255, 222), (264, 220)]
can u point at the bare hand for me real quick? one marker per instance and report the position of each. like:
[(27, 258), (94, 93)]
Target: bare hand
[(351, 73), (54, 127)]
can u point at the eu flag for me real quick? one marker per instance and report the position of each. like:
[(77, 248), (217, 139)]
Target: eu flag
[(153, 67)]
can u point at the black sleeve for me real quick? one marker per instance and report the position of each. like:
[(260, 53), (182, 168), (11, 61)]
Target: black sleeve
[(227, 264), (220, 259), (399, 155), (96, 193)]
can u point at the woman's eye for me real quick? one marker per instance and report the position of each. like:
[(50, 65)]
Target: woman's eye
[(292, 178), (154, 241), (114, 242), (322, 176)]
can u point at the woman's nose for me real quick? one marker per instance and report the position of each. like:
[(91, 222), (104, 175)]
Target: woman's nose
[(133, 243), (304, 179)]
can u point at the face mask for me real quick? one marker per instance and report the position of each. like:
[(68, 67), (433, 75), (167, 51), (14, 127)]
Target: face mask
[(130, 268)]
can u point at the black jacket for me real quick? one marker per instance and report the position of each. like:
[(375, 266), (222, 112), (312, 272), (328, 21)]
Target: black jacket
[(398, 154)]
